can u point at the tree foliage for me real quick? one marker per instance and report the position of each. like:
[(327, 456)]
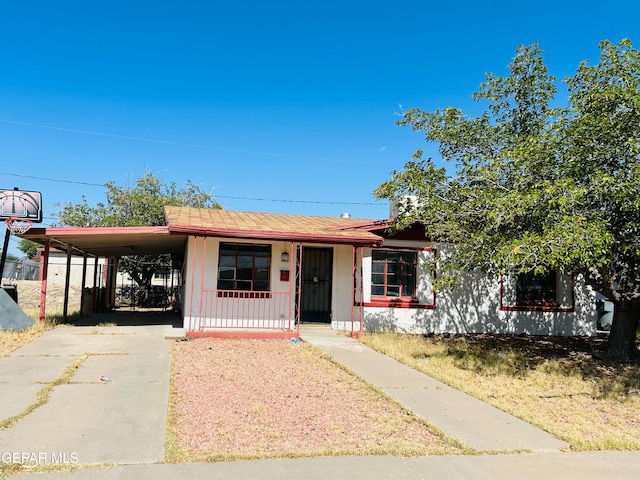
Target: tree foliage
[(29, 248), (532, 187), (139, 205)]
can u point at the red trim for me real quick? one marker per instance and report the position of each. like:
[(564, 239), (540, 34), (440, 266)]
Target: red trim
[(537, 308), (545, 307), (268, 334), (66, 231), (244, 294), (394, 302), (401, 304), (281, 236)]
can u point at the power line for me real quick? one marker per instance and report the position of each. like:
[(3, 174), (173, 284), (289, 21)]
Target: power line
[(189, 145), (53, 179), (322, 202), (228, 197)]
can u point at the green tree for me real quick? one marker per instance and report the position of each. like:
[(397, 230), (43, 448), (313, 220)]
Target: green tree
[(534, 188), (139, 205), (29, 248)]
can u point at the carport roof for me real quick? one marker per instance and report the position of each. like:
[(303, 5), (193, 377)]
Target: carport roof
[(185, 221), (109, 241)]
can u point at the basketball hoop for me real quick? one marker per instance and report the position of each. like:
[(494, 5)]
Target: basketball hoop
[(18, 226)]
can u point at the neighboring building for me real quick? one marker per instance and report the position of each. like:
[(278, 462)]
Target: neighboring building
[(57, 268)]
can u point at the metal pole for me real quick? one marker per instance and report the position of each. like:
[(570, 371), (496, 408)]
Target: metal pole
[(5, 246), (44, 275)]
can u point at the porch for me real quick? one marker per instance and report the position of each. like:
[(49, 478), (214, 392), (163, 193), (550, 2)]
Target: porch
[(307, 284)]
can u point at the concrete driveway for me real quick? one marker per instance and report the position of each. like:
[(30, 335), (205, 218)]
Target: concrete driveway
[(86, 420)]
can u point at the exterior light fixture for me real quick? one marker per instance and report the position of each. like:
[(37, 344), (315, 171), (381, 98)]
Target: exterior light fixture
[(284, 256)]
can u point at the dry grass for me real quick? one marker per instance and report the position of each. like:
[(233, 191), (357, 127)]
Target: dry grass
[(563, 385), (240, 399), (10, 340)]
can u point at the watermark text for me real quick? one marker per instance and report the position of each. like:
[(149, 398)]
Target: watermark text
[(39, 458)]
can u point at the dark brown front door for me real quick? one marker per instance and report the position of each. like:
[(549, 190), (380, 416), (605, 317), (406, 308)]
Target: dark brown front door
[(315, 302)]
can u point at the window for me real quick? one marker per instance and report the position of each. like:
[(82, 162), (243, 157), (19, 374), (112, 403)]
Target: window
[(162, 273), (244, 267), (536, 290), (394, 274)]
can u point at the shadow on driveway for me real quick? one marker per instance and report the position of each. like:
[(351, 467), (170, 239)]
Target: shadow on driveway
[(126, 317)]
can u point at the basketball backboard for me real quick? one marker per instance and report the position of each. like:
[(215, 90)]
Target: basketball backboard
[(23, 205)]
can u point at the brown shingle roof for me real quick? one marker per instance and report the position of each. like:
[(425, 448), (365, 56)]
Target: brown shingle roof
[(229, 223)]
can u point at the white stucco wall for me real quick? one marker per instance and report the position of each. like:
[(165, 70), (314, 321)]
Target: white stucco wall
[(475, 308), (472, 308), (342, 294), (57, 270)]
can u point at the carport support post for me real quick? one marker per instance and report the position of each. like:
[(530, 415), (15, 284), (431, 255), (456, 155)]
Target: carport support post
[(84, 281), (94, 299), (65, 308), (44, 273)]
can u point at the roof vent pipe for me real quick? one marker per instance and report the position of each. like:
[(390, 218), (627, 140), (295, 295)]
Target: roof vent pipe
[(345, 215)]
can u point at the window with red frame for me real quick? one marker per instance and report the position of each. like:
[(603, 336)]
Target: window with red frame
[(536, 290), (394, 274), (244, 267)]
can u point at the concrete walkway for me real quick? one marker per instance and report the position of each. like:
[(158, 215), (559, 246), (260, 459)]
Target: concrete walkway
[(476, 424), (123, 421)]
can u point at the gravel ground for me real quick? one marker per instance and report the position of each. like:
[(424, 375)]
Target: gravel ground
[(271, 398)]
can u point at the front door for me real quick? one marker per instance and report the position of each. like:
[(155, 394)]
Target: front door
[(317, 272)]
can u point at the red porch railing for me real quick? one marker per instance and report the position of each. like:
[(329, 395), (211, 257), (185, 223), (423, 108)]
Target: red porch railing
[(234, 309)]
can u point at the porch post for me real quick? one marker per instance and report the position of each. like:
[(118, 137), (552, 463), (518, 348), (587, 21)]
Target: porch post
[(360, 250), (357, 304), (353, 286), (193, 281), (203, 267), (292, 287), (298, 274)]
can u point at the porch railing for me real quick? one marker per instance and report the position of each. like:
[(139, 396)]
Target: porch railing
[(229, 309)]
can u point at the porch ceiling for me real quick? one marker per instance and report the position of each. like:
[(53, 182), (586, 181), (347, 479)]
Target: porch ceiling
[(109, 241)]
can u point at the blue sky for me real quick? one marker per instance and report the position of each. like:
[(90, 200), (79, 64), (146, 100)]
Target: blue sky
[(286, 107)]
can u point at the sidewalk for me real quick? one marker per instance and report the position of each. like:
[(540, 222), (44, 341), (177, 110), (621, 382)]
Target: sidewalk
[(475, 423), (547, 466)]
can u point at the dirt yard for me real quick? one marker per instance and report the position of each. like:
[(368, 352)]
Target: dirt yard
[(274, 398)]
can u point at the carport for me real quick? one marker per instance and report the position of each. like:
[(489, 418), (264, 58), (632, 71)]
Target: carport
[(100, 242)]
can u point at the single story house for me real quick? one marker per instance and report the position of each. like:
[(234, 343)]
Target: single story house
[(262, 274)]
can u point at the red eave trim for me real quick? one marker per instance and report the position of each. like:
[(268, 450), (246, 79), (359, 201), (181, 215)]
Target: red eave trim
[(68, 231), (282, 236)]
